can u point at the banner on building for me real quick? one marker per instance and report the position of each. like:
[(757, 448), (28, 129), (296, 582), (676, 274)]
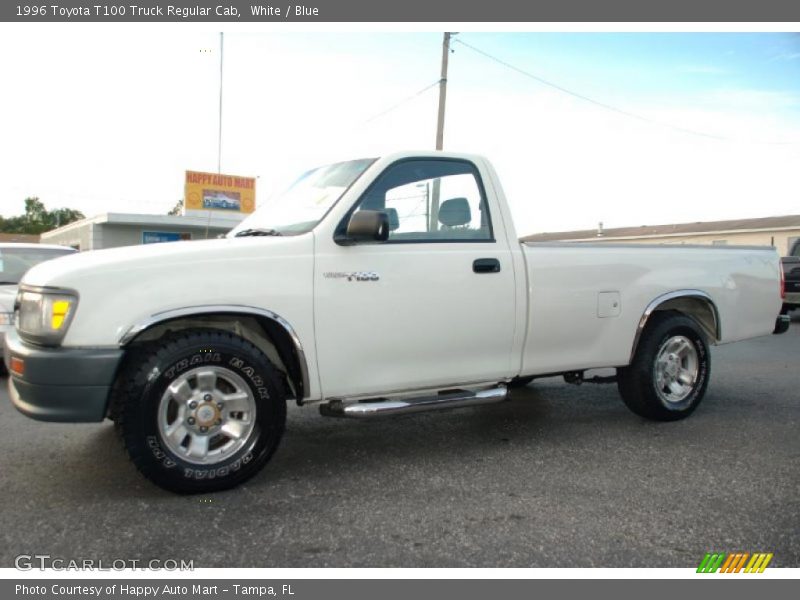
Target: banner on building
[(157, 237), (219, 192)]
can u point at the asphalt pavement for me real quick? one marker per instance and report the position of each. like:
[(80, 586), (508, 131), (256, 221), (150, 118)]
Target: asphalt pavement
[(560, 476)]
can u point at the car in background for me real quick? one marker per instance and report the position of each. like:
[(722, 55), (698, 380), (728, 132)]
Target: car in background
[(791, 272), (15, 260)]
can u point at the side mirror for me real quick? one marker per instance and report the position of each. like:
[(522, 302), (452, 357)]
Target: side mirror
[(366, 226)]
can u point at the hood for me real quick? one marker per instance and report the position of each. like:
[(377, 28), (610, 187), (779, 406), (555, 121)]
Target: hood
[(120, 287), (137, 261)]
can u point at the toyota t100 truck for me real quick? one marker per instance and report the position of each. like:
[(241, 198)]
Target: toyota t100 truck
[(370, 287)]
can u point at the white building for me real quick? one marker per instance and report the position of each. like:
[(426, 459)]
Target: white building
[(112, 230), (778, 232)]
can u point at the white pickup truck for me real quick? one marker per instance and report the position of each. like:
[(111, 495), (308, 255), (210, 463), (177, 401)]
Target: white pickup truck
[(370, 287)]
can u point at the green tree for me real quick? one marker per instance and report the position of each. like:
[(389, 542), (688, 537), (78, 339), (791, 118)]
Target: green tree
[(64, 216), (177, 209), (35, 212), (37, 219)]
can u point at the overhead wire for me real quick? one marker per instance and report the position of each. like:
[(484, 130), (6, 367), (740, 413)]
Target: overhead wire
[(605, 105), (402, 102)]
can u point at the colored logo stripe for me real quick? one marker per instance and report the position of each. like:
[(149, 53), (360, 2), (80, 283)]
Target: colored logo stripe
[(758, 563), (734, 562), (710, 562)]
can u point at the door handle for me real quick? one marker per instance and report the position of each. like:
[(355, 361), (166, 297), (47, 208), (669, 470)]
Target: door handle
[(486, 265)]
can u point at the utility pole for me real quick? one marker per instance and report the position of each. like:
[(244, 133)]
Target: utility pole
[(442, 91), (433, 210), (219, 137), (219, 131)]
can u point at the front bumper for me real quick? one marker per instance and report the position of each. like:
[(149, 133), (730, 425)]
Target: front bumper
[(61, 384)]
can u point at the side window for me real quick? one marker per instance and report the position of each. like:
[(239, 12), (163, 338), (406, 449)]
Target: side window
[(431, 200)]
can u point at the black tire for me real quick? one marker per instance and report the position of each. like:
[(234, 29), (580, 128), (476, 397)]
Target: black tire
[(144, 380), (520, 382), (637, 382)]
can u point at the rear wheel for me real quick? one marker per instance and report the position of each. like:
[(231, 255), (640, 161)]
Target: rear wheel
[(200, 411), (668, 376)]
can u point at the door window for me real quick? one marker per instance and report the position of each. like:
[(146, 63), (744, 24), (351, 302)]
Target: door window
[(431, 201)]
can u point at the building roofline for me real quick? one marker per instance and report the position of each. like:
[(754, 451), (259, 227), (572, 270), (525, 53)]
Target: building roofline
[(705, 228), (195, 222), (676, 235)]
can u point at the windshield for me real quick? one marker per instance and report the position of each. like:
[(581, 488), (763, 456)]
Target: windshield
[(15, 261), (298, 209)]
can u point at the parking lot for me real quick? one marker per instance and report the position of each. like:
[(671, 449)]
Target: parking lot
[(561, 476)]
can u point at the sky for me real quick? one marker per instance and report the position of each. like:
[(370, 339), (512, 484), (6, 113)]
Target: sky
[(641, 128)]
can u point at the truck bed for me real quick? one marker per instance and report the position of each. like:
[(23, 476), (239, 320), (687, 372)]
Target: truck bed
[(573, 286)]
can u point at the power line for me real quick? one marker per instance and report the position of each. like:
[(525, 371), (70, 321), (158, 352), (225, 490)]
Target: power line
[(604, 105), (402, 102)]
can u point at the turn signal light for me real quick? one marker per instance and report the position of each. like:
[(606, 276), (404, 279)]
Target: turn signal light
[(60, 310), (17, 366)]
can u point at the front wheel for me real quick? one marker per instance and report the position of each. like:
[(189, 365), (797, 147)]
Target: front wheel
[(669, 373), (200, 411)]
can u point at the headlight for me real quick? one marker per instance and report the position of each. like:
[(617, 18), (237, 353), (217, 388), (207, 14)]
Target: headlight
[(44, 315)]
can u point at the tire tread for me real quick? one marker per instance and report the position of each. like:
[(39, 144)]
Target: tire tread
[(127, 391), (635, 381)]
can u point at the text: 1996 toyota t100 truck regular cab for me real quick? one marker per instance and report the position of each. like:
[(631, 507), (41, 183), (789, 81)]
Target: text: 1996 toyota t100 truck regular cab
[(370, 287)]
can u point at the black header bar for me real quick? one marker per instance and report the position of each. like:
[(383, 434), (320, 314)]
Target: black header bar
[(452, 11)]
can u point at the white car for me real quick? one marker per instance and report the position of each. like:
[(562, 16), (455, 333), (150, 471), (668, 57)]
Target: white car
[(371, 287), (15, 260)]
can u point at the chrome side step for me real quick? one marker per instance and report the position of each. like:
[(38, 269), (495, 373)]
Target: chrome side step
[(368, 409)]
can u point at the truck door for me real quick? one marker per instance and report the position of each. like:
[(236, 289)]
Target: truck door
[(434, 304)]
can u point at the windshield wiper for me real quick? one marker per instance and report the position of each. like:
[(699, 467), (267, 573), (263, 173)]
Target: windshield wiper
[(9, 282), (255, 232)]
